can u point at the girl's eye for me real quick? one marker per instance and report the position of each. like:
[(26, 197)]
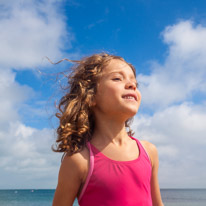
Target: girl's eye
[(116, 79)]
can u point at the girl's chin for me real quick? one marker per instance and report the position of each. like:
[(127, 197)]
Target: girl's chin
[(131, 113)]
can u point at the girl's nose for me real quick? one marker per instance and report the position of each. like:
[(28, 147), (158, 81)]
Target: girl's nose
[(131, 85)]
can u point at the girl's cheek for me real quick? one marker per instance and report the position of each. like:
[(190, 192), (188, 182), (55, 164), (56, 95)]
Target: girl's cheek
[(139, 95)]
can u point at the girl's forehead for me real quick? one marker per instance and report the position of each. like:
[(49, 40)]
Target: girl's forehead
[(117, 65)]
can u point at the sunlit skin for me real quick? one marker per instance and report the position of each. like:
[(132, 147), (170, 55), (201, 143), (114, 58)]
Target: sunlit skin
[(112, 109), (117, 82), (117, 99)]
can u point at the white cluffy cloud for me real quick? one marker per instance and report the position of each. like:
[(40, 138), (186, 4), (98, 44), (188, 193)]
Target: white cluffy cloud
[(183, 73), (175, 92), (179, 134), (30, 30), (26, 152), (26, 159)]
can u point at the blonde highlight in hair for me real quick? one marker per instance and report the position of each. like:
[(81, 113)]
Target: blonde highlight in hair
[(76, 119)]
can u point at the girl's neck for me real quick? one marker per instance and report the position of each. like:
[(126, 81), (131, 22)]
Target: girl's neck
[(109, 131)]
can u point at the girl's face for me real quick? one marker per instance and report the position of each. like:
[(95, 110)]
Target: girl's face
[(117, 94)]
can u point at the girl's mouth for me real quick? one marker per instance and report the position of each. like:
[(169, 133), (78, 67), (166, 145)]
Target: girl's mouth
[(130, 96)]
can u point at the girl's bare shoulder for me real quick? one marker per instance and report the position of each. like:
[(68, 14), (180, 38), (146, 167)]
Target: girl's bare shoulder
[(151, 149), (78, 163), (149, 146), (72, 174)]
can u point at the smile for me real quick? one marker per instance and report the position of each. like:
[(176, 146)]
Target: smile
[(130, 96)]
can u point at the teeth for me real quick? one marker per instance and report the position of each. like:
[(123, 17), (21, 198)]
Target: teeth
[(129, 97)]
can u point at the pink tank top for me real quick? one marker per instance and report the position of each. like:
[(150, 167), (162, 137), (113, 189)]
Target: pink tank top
[(117, 183)]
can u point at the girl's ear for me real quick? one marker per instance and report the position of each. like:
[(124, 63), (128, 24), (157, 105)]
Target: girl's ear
[(93, 102)]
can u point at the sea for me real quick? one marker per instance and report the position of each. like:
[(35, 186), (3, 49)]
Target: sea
[(40, 197)]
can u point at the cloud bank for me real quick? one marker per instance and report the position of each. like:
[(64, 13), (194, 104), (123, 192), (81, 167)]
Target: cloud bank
[(172, 92), (30, 30), (183, 73)]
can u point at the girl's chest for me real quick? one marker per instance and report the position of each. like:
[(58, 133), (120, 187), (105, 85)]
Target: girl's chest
[(124, 153), (114, 179)]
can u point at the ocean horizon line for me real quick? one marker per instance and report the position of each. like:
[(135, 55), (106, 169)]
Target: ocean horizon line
[(165, 188)]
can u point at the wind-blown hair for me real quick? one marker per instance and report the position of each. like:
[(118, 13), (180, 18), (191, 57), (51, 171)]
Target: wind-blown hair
[(76, 119)]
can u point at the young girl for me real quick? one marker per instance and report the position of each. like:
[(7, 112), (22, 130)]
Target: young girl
[(103, 164)]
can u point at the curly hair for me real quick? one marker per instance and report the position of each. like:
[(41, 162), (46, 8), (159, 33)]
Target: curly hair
[(76, 119)]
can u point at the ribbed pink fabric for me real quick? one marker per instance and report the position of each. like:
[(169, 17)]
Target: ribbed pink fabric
[(117, 183)]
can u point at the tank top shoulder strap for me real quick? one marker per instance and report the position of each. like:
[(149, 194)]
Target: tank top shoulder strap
[(142, 148), (91, 167)]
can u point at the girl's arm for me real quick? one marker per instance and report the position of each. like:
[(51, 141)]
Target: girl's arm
[(72, 173), (155, 190)]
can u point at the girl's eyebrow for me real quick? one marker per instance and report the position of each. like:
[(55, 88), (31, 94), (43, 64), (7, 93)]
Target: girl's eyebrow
[(118, 72), (121, 73)]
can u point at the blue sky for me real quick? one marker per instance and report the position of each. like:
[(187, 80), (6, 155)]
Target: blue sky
[(164, 40)]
